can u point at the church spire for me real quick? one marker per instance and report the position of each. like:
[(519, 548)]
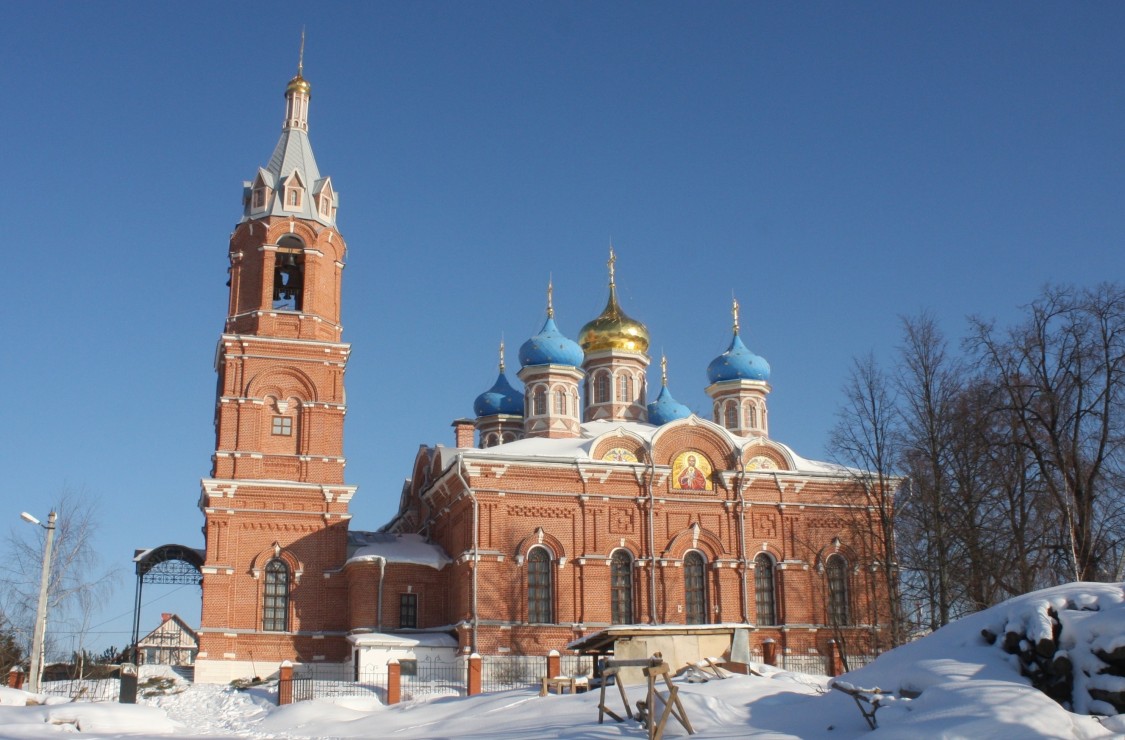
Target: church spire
[(297, 95)]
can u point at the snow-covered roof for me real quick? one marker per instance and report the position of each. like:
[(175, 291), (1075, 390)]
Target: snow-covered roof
[(395, 548), (579, 448), (417, 639)]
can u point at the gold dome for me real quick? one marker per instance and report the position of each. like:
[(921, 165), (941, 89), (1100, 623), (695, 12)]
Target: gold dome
[(614, 330), (298, 84)]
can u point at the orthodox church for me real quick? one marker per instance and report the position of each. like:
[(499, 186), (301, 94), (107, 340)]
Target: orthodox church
[(562, 509)]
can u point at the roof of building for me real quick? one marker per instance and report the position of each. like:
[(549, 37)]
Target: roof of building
[(407, 640), (293, 153), (395, 548), (579, 448)]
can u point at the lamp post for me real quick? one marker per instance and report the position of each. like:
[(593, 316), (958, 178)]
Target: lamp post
[(41, 613)]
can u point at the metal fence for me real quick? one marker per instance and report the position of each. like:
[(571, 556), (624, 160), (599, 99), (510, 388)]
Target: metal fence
[(433, 677), (84, 689), (505, 672), (812, 663), (327, 681)]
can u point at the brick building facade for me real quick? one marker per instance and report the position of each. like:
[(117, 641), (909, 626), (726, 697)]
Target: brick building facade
[(564, 508)]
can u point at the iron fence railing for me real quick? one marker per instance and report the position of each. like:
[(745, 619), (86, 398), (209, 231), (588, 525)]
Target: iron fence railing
[(813, 664), (84, 689), (433, 677), (327, 681), (505, 672)]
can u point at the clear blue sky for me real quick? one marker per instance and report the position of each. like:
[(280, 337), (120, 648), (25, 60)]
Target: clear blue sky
[(834, 165)]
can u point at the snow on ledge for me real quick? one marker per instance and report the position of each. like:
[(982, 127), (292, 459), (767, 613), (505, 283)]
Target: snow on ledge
[(397, 548)]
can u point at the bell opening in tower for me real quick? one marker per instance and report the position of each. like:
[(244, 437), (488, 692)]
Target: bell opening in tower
[(289, 275)]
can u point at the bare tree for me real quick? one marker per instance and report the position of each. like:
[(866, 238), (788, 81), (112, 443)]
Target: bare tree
[(78, 583), (863, 441), (1061, 373)]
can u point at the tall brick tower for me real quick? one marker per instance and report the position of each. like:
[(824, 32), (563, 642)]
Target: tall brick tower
[(276, 506)]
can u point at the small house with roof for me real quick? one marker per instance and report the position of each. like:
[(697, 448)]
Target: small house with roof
[(173, 642)]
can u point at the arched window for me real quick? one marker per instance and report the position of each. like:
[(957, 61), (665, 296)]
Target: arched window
[(560, 401), (764, 592), (621, 587), (275, 599), (730, 415), (601, 388), (837, 571), (751, 416), (539, 599), (695, 588), (539, 407), (491, 440), (625, 388)]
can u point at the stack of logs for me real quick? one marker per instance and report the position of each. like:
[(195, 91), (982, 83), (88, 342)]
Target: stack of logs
[(1051, 668)]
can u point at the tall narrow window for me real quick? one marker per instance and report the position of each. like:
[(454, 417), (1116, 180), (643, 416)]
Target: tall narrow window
[(601, 388), (764, 593), (625, 388), (407, 611), (751, 417), (539, 405), (621, 587), (539, 586), (275, 599), (560, 401), (837, 572), (730, 415), (695, 588)]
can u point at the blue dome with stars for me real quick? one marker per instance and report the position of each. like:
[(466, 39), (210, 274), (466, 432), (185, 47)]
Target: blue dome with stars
[(550, 347), (738, 363), (665, 409), (501, 398)]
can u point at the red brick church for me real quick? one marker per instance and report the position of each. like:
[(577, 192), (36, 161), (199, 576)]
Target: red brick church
[(564, 508)]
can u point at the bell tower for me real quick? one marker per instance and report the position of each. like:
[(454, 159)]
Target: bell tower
[(276, 505)]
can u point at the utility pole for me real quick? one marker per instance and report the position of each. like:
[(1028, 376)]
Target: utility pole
[(41, 613)]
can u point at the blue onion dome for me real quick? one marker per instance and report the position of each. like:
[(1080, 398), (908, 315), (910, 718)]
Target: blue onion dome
[(665, 408), (549, 346), (738, 362), (501, 398)]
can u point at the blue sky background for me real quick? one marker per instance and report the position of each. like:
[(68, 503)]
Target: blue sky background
[(834, 165)]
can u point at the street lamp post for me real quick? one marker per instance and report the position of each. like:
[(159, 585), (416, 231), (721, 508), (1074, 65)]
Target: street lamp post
[(41, 613)]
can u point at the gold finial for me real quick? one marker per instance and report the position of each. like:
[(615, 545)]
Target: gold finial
[(501, 355), (612, 260), (663, 369), (734, 312), (550, 298), (301, 56)]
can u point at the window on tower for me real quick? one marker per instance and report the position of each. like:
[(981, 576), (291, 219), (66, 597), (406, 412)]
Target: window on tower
[(259, 197), (601, 388), (282, 426)]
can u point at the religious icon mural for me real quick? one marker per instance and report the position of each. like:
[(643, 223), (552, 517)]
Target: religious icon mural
[(620, 454), (761, 462), (691, 471)]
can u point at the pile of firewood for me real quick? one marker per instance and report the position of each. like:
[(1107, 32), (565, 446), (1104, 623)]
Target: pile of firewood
[(1052, 669)]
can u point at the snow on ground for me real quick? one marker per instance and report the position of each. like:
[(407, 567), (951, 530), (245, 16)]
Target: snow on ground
[(969, 689)]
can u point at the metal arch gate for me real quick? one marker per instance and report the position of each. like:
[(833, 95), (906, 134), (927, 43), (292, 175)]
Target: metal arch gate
[(167, 565)]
